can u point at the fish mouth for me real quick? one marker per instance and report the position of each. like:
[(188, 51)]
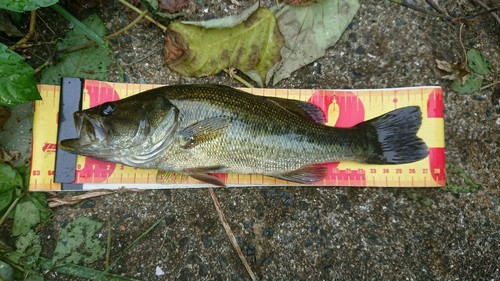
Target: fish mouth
[(89, 132)]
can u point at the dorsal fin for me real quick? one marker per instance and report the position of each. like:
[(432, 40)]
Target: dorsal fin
[(302, 109)]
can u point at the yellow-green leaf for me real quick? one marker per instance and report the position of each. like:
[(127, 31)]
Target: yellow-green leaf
[(309, 31), (252, 46)]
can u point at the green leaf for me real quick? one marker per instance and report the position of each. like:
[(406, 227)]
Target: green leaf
[(226, 22), (251, 46), (7, 26), (152, 3), (34, 276), (26, 216), (25, 5), (5, 198), (40, 201), (9, 177), (91, 63), (309, 30), (24, 171), (477, 62), (17, 79), (6, 272), (28, 248), (471, 84), (77, 243)]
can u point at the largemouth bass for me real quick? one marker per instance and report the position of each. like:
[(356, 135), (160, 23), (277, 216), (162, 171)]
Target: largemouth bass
[(201, 129)]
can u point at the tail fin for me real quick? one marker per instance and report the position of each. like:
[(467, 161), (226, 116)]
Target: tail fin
[(395, 136)]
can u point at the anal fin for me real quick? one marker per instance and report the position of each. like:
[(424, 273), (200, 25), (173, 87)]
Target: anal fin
[(305, 175), (165, 177), (208, 179)]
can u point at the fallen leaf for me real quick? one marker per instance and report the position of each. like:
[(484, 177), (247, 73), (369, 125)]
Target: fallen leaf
[(477, 62), (252, 46), (91, 62), (28, 248), (299, 2), (226, 22), (471, 84), (172, 6), (444, 65), (309, 31), (77, 243)]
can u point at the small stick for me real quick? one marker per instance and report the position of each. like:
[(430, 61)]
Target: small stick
[(490, 85), (462, 44), (107, 37), (494, 14), (108, 244), (28, 36), (161, 26), (238, 78), (230, 234), (418, 9), (437, 7)]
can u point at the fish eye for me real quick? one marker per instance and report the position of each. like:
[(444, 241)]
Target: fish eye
[(107, 108)]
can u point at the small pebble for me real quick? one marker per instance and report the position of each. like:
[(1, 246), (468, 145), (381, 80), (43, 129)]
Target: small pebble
[(159, 271)]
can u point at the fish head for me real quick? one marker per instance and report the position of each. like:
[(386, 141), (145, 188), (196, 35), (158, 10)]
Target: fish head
[(130, 126)]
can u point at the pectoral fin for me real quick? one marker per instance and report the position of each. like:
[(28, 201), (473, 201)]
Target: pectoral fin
[(305, 175), (302, 109), (203, 131)]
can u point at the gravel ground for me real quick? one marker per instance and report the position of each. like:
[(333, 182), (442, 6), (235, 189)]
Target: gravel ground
[(321, 233)]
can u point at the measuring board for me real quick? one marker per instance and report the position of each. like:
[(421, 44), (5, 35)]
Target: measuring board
[(343, 108)]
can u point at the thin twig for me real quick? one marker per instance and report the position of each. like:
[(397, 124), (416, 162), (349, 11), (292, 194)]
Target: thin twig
[(494, 14), (422, 10), (11, 207), (238, 78), (107, 37), (40, 67), (108, 268), (56, 202), (437, 7), (126, 28), (230, 234), (127, 4), (462, 44), (490, 85), (443, 15), (108, 244), (30, 33)]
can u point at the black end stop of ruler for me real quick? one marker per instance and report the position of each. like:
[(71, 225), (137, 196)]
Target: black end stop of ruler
[(70, 101)]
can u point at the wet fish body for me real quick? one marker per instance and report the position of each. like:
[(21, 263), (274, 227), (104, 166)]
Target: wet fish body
[(201, 129)]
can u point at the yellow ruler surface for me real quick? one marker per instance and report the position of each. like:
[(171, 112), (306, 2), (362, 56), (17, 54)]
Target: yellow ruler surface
[(343, 108)]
